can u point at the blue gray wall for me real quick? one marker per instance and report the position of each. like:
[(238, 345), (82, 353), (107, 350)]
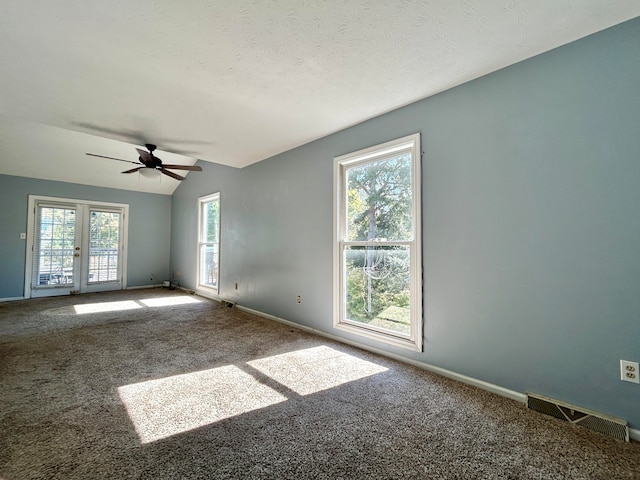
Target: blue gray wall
[(149, 228), (531, 224)]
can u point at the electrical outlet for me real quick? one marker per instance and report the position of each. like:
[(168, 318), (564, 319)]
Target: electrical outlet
[(299, 298), (629, 371)]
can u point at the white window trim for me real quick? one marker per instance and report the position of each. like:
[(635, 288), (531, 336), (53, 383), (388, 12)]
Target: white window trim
[(414, 340), (206, 290)]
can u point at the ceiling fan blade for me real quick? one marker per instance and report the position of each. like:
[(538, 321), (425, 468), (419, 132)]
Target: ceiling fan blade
[(193, 168), (171, 174), (133, 170), (112, 158), (146, 157)]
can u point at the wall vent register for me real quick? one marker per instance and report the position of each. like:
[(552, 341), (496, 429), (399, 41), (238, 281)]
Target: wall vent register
[(605, 424)]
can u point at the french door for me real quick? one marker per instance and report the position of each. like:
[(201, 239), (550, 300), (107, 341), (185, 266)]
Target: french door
[(74, 246)]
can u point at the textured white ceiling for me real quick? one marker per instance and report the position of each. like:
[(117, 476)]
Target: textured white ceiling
[(234, 82), (40, 151)]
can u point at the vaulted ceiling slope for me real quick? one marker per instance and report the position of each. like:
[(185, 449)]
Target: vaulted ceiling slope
[(237, 81)]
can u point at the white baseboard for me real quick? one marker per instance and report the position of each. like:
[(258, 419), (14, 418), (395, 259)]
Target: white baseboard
[(138, 287), (142, 287), (504, 392), (10, 299)]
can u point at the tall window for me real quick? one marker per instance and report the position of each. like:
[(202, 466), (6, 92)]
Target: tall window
[(209, 241), (377, 250)]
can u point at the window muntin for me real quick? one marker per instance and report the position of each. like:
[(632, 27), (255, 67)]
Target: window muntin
[(377, 267), (209, 242)]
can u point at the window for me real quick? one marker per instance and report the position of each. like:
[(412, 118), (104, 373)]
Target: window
[(208, 242), (377, 249)]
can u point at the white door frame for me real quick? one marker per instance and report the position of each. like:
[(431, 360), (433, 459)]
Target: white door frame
[(82, 206)]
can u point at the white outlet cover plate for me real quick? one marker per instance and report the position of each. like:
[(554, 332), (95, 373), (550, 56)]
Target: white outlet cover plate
[(627, 366)]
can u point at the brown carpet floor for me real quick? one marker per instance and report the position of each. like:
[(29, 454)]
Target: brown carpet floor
[(140, 384)]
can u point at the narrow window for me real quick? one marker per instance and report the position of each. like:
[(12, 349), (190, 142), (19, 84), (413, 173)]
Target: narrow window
[(209, 242), (377, 249)]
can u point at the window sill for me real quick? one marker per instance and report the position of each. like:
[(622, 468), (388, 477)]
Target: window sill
[(386, 338), (208, 292)]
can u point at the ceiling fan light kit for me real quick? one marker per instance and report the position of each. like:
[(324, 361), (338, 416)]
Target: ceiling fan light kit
[(150, 164), (149, 172)]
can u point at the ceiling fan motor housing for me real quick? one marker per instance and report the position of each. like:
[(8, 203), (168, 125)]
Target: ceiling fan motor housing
[(149, 160), (153, 162)]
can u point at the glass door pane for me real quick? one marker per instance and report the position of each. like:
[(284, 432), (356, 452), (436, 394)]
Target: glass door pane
[(55, 259), (104, 246)]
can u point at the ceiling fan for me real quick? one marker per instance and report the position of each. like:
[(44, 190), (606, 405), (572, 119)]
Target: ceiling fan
[(149, 160)]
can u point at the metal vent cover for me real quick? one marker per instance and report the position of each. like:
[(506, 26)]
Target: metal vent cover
[(605, 424)]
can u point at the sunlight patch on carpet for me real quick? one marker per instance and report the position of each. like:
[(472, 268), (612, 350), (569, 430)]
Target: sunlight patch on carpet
[(105, 307), (167, 301), (315, 369), (169, 406)]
